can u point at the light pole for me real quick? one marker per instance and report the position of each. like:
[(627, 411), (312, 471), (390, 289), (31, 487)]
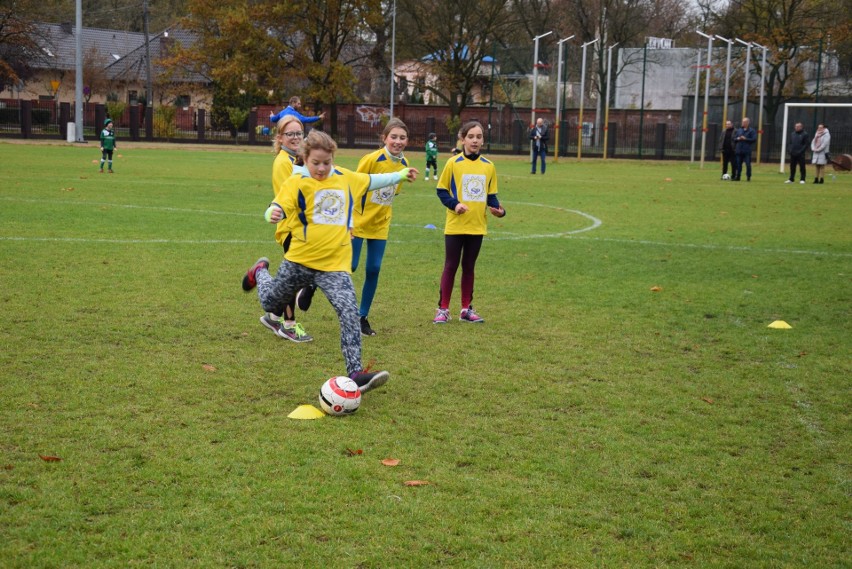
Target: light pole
[(535, 82), (760, 104), (706, 95), (745, 75), (606, 102), (558, 100), (695, 105), (582, 98), (393, 55), (727, 78), (78, 87)]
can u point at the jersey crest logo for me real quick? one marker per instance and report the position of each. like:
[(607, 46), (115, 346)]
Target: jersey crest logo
[(473, 188), (384, 196), (330, 208)]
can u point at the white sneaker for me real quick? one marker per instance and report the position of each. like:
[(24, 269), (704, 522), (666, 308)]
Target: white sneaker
[(801, 181), (426, 178), (788, 181)]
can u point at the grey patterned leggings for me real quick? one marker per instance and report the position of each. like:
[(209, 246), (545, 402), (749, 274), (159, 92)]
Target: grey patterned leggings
[(275, 293)]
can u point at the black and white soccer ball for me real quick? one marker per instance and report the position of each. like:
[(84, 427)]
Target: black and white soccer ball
[(340, 396), (726, 176)]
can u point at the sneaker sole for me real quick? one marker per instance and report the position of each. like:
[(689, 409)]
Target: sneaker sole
[(296, 340), (378, 380), (269, 326), (247, 286)]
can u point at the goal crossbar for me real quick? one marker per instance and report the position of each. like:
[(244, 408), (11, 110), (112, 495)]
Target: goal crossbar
[(784, 127)]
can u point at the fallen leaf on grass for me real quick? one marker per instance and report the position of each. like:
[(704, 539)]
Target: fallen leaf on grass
[(801, 354), (656, 288), (390, 462), (94, 161), (8, 467), (67, 189), (208, 367), (668, 179), (707, 400), (355, 452), (49, 458), (416, 483)]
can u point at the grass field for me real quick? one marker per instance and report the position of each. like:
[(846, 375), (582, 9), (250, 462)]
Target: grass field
[(624, 405)]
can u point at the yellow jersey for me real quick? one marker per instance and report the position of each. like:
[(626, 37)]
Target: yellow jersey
[(372, 216), (470, 182), (319, 215)]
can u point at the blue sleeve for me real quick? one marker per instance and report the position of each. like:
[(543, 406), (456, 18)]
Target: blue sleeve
[(493, 201), (752, 135), (449, 201)]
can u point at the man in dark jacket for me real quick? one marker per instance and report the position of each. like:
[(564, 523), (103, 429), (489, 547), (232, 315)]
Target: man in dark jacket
[(799, 142), (728, 149), (539, 135), (744, 137)]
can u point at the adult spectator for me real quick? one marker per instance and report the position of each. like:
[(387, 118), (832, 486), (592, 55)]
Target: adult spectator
[(799, 142), (728, 150), (539, 135), (820, 157), (293, 107), (744, 138)]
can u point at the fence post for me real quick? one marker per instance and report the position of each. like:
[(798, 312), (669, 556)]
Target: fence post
[(610, 139), (64, 119), (563, 137), (430, 126), (660, 140), (201, 125), (350, 131), (134, 122), (100, 117), (149, 123), (712, 137), (252, 126), (518, 128), (26, 118)]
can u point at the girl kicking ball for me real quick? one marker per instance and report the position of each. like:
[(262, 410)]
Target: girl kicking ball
[(317, 208), (468, 189)]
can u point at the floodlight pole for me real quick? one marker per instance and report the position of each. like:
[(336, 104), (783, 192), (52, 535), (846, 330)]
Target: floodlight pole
[(746, 75), (558, 101), (706, 95), (606, 106), (727, 78), (78, 88), (535, 83), (393, 56), (582, 99), (695, 105), (760, 104)]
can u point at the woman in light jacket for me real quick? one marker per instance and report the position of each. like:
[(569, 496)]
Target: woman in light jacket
[(819, 146)]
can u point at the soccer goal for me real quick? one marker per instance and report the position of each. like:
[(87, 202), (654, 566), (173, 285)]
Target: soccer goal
[(785, 132)]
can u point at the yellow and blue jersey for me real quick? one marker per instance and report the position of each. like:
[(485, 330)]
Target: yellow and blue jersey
[(470, 182), (372, 214), (282, 168), (319, 215)]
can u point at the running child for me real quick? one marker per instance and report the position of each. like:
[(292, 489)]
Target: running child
[(468, 189), (432, 155), (318, 207), (372, 215)]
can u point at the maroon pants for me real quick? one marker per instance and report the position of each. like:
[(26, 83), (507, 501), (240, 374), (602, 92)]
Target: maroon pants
[(459, 249)]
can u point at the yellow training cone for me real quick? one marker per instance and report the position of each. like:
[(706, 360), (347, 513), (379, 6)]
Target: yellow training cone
[(780, 325), (306, 412)]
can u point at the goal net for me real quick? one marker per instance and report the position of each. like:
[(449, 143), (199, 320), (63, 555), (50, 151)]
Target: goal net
[(785, 132)]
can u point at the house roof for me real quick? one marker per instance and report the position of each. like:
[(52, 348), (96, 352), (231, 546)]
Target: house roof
[(61, 47), (122, 53)]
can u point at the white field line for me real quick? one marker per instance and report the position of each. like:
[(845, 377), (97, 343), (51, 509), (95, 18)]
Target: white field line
[(493, 235)]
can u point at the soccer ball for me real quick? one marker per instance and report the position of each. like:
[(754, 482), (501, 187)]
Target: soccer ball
[(726, 176), (340, 396)]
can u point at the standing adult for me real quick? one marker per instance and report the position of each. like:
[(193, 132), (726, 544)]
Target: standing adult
[(728, 150), (293, 107), (819, 146), (799, 143), (539, 135), (744, 138)]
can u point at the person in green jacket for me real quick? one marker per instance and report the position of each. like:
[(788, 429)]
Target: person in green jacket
[(107, 145), (432, 155)]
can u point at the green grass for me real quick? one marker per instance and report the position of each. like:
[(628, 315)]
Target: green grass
[(589, 422)]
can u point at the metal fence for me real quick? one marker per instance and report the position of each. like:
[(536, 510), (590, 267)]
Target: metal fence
[(661, 135)]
